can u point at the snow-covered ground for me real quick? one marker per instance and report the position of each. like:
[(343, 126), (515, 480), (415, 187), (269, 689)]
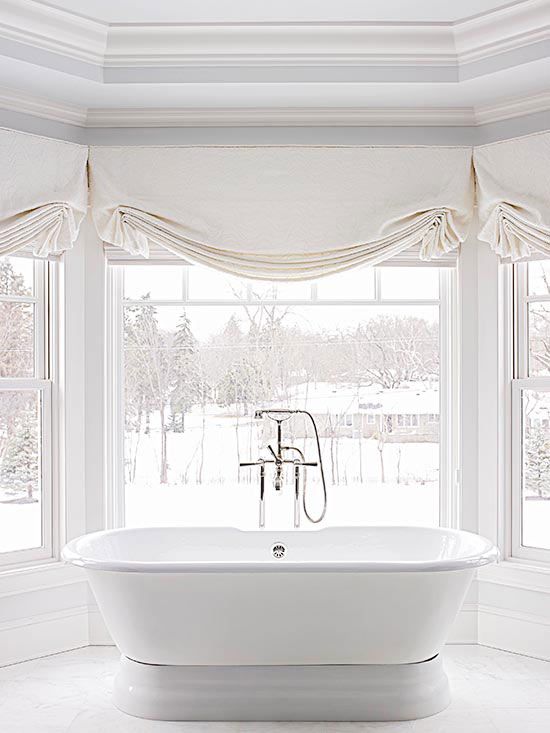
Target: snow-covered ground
[(227, 496), (20, 526), (236, 506), (205, 486)]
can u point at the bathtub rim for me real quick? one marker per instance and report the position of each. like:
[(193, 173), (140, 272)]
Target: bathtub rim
[(72, 556)]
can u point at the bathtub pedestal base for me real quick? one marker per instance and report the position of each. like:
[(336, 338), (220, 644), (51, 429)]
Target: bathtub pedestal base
[(354, 692)]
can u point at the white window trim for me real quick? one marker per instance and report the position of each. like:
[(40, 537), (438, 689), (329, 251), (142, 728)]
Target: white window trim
[(449, 499), (520, 380), (518, 549)]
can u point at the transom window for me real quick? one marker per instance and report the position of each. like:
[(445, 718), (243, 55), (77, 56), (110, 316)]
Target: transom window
[(25, 412), (195, 351)]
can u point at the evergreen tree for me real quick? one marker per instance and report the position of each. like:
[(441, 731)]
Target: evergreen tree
[(537, 463), (16, 325), (242, 384), (186, 388), (20, 464)]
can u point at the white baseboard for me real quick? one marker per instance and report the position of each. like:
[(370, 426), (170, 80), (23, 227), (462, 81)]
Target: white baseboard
[(514, 631), (464, 629), (38, 636)]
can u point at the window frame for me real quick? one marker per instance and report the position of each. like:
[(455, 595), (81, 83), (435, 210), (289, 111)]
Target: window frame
[(43, 300), (449, 430), (520, 381)]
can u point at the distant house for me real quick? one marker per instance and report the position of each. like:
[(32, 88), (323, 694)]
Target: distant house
[(407, 414), (537, 411)]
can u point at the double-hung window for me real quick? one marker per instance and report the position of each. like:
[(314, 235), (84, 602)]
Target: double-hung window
[(25, 412), (531, 412), (192, 352)]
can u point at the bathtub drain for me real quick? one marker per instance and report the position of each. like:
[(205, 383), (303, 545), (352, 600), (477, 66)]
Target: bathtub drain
[(278, 550)]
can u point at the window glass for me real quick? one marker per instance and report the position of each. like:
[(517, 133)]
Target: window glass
[(16, 339), (539, 277), (16, 276), (536, 469), (539, 338), (20, 462), (194, 374), (261, 290), (153, 282), (355, 284), (208, 284), (409, 283), (24, 487)]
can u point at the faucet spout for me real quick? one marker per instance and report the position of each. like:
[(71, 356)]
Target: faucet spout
[(278, 460)]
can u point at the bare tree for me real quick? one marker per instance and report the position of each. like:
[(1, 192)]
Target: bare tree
[(150, 351), (392, 350)]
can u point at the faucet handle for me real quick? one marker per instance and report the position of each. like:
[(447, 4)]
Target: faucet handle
[(260, 462)]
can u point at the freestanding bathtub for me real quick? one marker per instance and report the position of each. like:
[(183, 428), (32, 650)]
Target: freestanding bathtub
[(334, 624)]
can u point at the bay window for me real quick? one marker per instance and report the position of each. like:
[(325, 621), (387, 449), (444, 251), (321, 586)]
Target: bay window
[(193, 351), (25, 412)]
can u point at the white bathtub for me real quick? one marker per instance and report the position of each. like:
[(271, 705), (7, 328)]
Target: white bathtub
[(214, 601)]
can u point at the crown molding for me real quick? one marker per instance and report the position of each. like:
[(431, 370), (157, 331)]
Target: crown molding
[(290, 44), (15, 101), (50, 29), (281, 117), (136, 46), (158, 117), (507, 29), (509, 108)]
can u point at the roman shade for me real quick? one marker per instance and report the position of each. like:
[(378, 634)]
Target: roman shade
[(513, 190), (43, 193), (282, 212)]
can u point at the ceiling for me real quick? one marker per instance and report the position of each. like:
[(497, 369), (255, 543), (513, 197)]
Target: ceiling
[(172, 63), (218, 11)]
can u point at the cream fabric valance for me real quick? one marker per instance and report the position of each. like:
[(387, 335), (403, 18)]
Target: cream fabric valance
[(513, 191), (282, 212), (43, 193)]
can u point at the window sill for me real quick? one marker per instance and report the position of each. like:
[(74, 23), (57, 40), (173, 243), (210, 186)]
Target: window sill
[(516, 573), (39, 576)]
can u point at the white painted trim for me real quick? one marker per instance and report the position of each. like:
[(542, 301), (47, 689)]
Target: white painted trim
[(518, 300), (507, 29), (39, 577), (514, 631), (17, 101), (518, 575), (510, 108), (50, 29), (42, 634), (323, 43), (167, 117), (279, 44), (449, 403), (114, 400), (280, 117)]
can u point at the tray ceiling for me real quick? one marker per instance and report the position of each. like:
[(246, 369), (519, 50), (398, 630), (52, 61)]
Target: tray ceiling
[(128, 63)]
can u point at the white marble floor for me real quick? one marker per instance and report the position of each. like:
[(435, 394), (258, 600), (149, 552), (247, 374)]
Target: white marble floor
[(493, 692)]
